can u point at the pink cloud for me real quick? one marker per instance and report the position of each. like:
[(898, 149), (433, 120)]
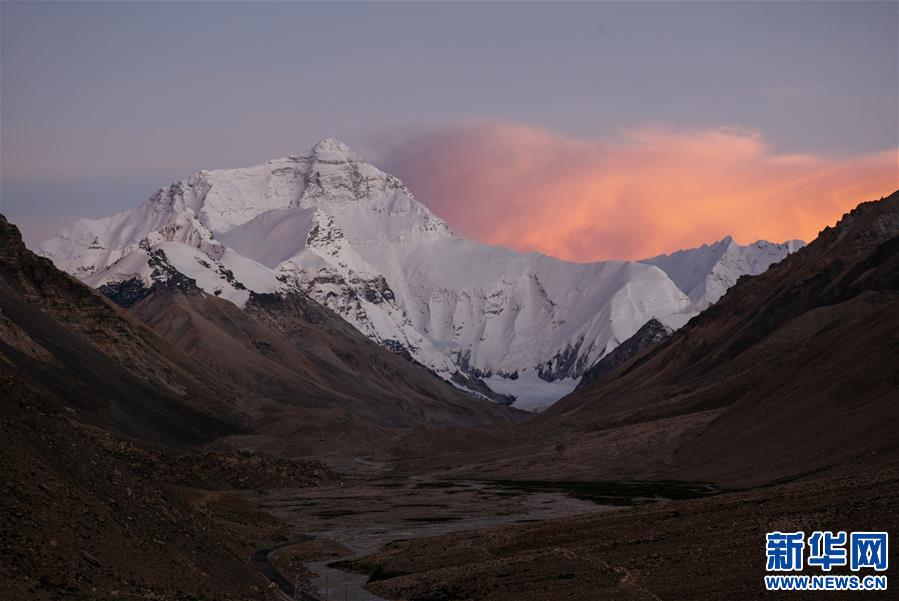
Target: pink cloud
[(653, 190)]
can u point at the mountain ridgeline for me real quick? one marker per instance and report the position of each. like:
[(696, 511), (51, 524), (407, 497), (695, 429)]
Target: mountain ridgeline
[(792, 374), (327, 225), (181, 366), (244, 329), (796, 367)]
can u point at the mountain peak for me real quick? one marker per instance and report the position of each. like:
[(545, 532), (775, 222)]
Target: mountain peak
[(331, 149), (706, 272)]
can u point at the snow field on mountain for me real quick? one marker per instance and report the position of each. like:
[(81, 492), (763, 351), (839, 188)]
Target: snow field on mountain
[(354, 239)]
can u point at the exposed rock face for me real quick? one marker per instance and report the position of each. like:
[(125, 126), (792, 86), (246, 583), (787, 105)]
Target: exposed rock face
[(127, 293), (652, 332)]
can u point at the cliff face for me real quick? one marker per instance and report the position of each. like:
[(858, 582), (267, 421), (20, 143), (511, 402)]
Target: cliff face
[(652, 332)]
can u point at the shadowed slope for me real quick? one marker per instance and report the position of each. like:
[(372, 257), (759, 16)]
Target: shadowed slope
[(66, 341), (288, 349), (88, 514), (800, 361)]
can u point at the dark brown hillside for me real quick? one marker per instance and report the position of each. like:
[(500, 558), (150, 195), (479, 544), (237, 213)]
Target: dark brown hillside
[(802, 362), (289, 350), (86, 514), (67, 342), (90, 508)]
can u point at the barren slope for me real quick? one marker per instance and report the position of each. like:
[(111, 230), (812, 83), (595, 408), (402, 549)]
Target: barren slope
[(801, 360), (66, 341), (287, 349)]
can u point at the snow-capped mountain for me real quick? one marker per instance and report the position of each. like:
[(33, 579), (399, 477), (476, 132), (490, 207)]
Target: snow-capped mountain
[(353, 238), (705, 273)]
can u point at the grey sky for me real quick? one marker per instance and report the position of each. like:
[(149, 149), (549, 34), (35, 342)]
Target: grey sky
[(104, 102)]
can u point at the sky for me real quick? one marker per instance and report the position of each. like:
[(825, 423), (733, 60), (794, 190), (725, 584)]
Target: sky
[(587, 131)]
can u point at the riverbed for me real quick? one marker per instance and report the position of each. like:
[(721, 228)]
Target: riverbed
[(363, 515), (359, 515)]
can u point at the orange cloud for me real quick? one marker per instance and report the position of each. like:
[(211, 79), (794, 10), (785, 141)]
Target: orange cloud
[(655, 190)]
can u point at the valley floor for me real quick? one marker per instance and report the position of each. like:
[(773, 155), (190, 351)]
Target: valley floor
[(360, 514), (426, 539)]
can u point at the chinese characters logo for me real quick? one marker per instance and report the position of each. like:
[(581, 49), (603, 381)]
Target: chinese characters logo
[(825, 550)]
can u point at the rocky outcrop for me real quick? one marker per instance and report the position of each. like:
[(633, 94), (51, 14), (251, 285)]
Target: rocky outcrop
[(652, 332)]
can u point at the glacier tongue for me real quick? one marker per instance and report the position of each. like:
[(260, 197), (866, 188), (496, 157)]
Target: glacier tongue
[(354, 239)]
